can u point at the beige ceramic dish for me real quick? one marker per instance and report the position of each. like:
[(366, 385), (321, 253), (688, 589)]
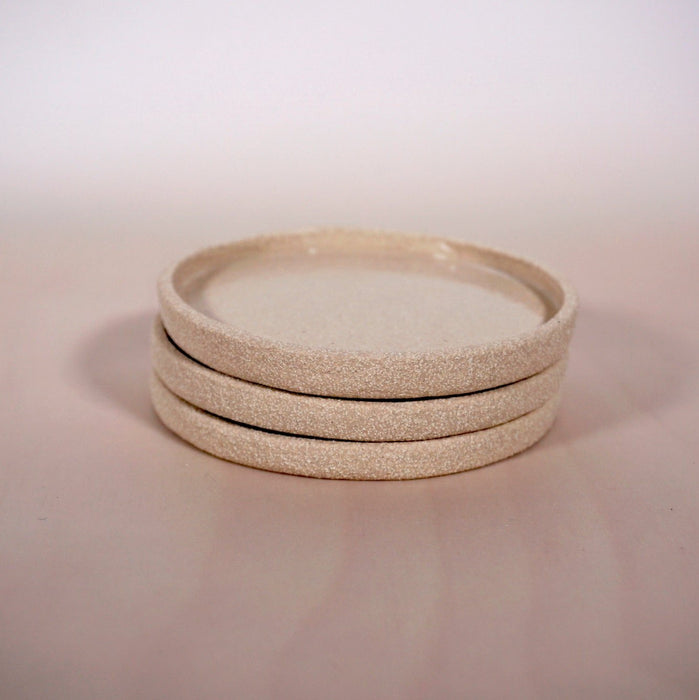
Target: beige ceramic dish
[(345, 419), (334, 459), (367, 314)]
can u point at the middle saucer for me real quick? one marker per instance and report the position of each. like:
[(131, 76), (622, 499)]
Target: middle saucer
[(366, 420)]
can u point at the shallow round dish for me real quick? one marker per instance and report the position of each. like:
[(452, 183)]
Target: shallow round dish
[(345, 419), (336, 459), (358, 314)]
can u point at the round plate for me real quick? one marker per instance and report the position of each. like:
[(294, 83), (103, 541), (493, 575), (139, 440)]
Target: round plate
[(335, 459), (345, 419), (367, 314)]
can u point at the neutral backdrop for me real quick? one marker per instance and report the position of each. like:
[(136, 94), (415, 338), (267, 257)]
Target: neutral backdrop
[(132, 565)]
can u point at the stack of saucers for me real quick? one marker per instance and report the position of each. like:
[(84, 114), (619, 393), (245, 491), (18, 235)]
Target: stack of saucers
[(358, 354)]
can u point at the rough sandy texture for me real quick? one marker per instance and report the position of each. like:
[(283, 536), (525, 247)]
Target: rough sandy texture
[(334, 459), (516, 319), (345, 419)]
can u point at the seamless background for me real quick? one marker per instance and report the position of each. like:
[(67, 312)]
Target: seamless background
[(135, 566), (475, 117)]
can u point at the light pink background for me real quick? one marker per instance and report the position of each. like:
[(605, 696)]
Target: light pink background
[(132, 565)]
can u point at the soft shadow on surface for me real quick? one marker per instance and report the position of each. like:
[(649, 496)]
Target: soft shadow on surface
[(619, 367), (114, 362), (644, 368)]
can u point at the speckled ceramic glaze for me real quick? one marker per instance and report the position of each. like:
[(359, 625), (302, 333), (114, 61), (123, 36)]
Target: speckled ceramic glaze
[(358, 314), (336, 459), (345, 419)]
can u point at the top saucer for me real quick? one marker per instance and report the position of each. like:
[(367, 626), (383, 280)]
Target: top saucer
[(360, 314)]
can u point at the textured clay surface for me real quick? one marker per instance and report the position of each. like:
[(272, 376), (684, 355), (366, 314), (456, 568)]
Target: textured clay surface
[(334, 459), (359, 314), (345, 419)]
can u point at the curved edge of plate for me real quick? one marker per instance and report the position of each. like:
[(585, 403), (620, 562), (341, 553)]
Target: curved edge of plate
[(345, 419), (337, 373), (332, 459)]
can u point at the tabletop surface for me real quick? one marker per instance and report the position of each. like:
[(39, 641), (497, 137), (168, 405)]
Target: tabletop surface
[(133, 565)]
